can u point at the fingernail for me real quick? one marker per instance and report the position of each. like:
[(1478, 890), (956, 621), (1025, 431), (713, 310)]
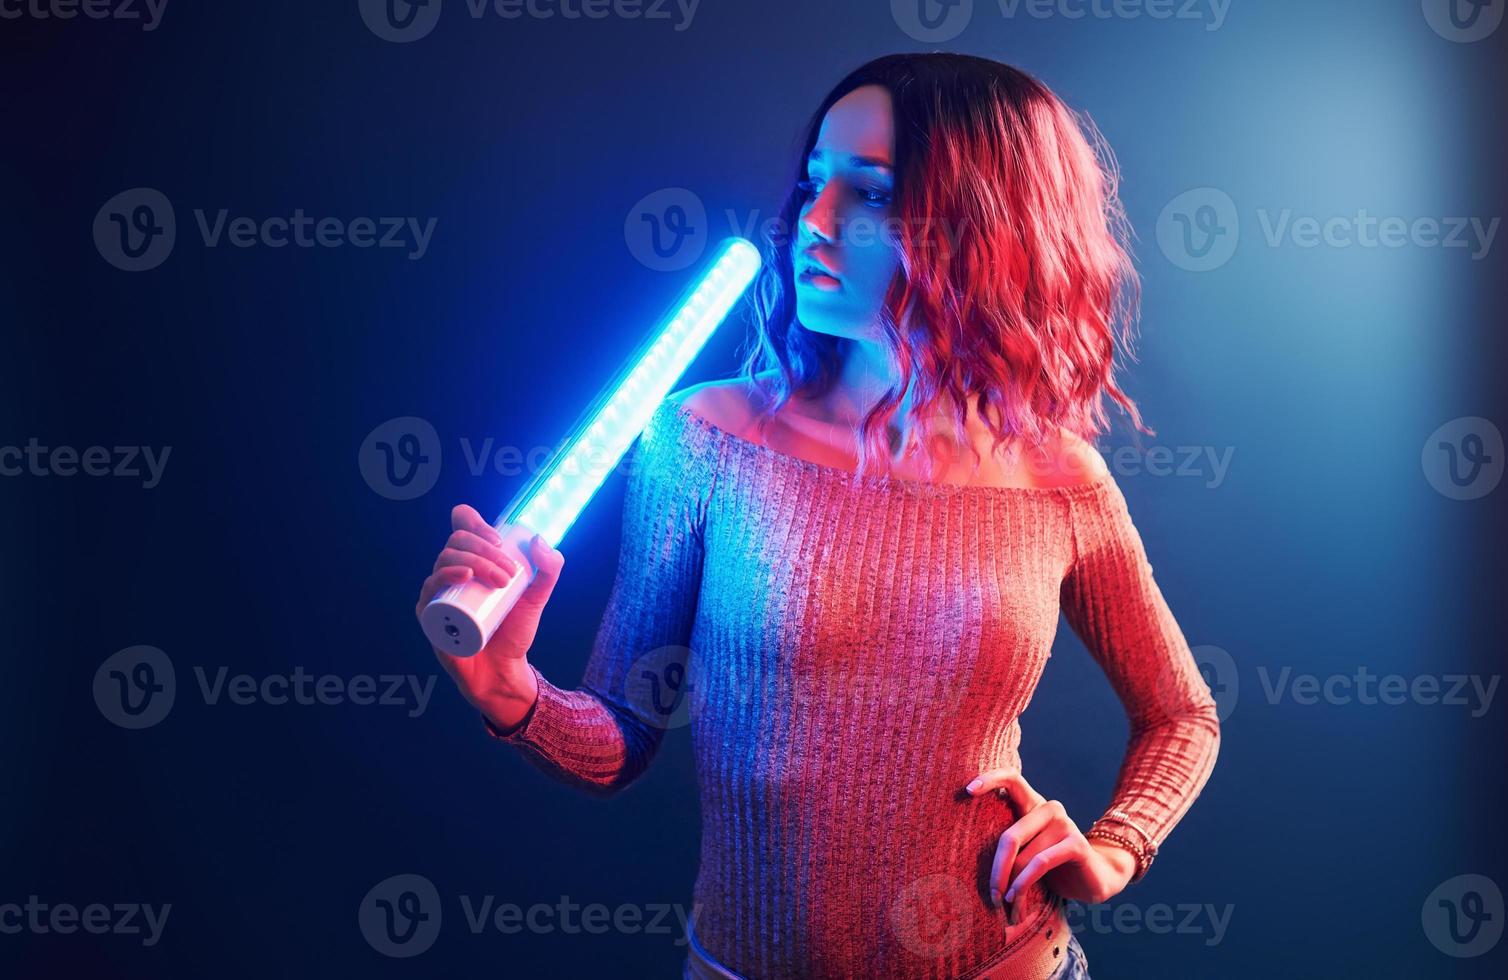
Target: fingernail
[(994, 898), (1010, 895), (973, 786)]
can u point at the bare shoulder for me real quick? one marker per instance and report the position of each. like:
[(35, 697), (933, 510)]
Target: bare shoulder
[(1068, 460)]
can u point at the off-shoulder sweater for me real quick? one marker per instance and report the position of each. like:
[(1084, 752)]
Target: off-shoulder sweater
[(848, 652)]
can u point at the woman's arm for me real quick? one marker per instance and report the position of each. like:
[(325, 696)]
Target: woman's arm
[(601, 736), (1113, 604)]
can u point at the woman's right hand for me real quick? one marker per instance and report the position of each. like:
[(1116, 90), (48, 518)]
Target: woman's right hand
[(498, 680)]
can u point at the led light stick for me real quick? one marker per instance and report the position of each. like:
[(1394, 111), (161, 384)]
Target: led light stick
[(462, 618)]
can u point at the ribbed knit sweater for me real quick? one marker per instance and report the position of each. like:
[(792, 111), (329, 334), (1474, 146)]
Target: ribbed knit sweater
[(848, 652)]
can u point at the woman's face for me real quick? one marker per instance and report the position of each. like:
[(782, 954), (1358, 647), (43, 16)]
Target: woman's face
[(844, 222)]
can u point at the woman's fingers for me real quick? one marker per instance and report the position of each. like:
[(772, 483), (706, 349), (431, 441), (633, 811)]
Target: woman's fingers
[(1068, 849), (1011, 785), (1021, 795), (1059, 827), (484, 570), (442, 578), (473, 535), (1015, 837), (476, 544), (464, 517)]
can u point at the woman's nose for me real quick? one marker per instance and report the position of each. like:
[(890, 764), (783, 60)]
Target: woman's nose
[(820, 218)]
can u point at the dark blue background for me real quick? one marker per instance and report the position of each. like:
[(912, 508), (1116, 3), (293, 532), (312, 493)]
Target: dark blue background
[(1323, 827)]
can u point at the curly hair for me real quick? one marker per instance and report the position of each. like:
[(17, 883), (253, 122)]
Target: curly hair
[(1016, 286)]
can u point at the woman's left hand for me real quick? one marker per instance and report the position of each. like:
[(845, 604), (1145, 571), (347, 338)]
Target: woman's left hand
[(1045, 844)]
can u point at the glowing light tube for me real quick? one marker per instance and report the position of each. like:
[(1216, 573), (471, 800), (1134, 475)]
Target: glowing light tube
[(462, 618)]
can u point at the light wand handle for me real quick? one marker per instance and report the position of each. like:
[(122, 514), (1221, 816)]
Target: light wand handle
[(461, 619)]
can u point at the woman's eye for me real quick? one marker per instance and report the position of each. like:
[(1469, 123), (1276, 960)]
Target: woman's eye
[(873, 196)]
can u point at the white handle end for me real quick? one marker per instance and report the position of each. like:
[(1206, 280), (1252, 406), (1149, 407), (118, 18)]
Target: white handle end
[(461, 619)]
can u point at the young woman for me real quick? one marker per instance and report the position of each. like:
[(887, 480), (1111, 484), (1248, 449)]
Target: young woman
[(844, 568)]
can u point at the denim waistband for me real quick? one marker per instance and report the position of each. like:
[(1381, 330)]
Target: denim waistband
[(1025, 957)]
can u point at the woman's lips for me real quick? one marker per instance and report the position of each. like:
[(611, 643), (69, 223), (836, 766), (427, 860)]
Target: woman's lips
[(819, 280)]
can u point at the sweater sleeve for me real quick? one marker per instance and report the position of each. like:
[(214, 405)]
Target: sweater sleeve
[(601, 736), (1114, 605)]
